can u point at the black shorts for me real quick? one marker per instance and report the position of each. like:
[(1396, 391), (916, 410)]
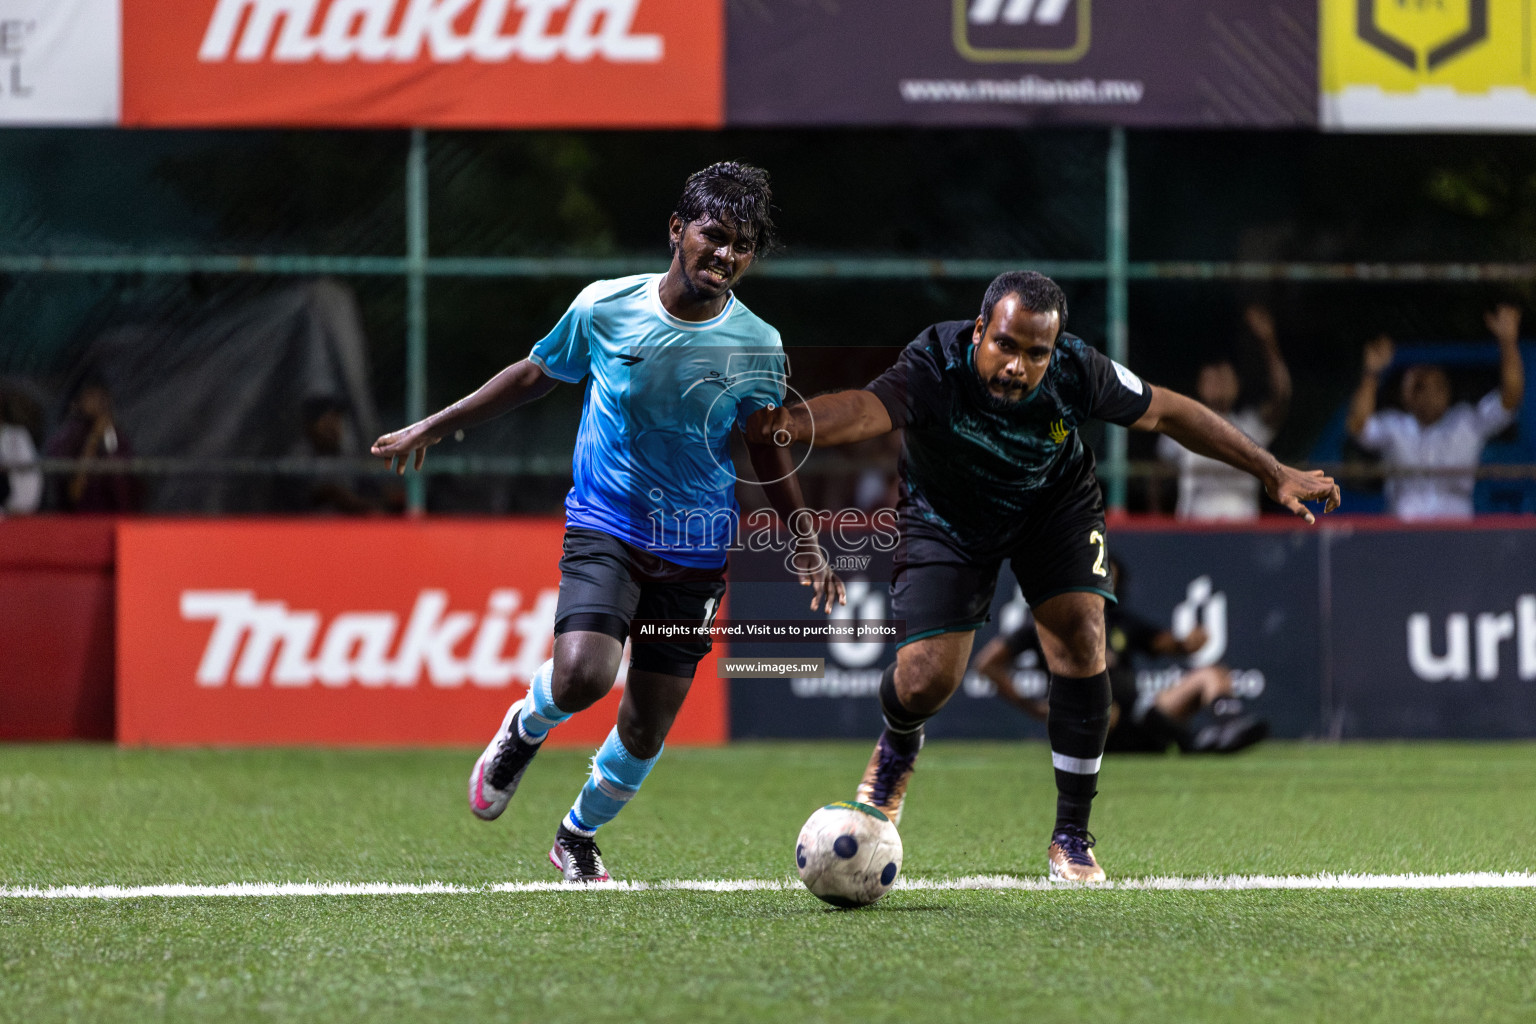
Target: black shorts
[(607, 584), (938, 586)]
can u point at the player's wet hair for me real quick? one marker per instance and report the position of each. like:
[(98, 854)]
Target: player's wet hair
[(732, 193), (1036, 292)]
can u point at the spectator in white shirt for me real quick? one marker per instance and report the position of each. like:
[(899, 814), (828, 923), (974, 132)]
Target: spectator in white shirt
[(1211, 490), (1429, 433), (21, 490)]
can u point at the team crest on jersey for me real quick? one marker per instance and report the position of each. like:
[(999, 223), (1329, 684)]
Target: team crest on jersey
[(1059, 431)]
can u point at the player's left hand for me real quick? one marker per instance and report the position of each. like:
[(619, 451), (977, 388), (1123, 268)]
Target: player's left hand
[(815, 571), (775, 426), (1290, 487)]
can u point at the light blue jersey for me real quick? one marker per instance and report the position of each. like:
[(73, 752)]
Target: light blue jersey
[(653, 462)]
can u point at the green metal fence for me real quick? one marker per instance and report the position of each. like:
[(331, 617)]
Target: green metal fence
[(416, 266)]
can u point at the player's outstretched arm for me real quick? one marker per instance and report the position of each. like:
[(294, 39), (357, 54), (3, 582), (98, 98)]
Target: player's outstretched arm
[(843, 417), (775, 469), (1204, 433), (519, 383)]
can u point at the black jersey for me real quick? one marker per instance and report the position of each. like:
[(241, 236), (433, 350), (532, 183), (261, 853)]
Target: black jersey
[(979, 470)]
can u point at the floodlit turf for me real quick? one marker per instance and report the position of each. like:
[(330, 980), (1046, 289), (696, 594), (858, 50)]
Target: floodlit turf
[(75, 815)]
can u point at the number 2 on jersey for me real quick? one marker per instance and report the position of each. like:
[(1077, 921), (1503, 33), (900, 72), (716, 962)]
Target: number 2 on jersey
[(1097, 537)]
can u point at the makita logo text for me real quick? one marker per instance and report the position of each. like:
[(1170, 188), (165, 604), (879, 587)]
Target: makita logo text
[(255, 642), (490, 31)]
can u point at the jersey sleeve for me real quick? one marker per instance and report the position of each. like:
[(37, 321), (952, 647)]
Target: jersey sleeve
[(1115, 394), (565, 353), (911, 390), (1491, 416), (764, 386)]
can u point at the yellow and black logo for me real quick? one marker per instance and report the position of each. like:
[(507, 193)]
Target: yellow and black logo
[(1422, 35), (1021, 31), (1059, 431), (1400, 46)]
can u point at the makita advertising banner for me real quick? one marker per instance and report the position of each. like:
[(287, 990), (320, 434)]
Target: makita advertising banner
[(251, 632), (1019, 62), (443, 63), (59, 62), (1347, 64), (1355, 629)]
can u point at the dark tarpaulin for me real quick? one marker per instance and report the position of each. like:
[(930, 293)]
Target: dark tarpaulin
[(235, 386)]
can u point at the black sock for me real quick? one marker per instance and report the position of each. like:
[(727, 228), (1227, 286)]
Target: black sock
[(903, 728), (1077, 726)]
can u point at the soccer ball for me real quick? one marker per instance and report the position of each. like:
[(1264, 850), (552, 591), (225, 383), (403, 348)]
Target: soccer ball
[(848, 854)]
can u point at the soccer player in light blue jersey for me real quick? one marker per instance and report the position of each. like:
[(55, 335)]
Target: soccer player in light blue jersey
[(672, 364)]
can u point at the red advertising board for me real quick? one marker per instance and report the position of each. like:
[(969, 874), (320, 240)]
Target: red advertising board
[(367, 633), (56, 598), (441, 63)]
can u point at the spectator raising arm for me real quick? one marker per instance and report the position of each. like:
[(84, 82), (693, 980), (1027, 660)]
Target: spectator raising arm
[(1278, 402), (1504, 322), (1378, 356)]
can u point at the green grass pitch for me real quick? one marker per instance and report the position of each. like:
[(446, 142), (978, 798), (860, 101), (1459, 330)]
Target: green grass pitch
[(90, 815)]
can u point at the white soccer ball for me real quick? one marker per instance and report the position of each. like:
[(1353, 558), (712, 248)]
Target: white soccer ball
[(848, 854)]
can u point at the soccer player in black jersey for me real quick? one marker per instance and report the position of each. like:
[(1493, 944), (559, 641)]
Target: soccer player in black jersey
[(992, 468)]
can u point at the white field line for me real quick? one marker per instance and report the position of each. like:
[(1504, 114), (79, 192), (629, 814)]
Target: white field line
[(1227, 883)]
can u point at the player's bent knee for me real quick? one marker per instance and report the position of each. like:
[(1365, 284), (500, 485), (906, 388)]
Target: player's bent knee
[(1080, 652), (644, 740), (926, 691), (582, 685)]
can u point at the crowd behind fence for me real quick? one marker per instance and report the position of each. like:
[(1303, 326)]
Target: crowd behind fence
[(424, 269)]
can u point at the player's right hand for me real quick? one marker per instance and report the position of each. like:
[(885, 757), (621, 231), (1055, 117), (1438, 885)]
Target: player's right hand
[(811, 566), (398, 447)]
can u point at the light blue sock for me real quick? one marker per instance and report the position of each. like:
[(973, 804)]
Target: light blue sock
[(616, 778), (540, 714)]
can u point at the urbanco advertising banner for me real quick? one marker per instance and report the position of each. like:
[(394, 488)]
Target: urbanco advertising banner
[(1433, 632), (59, 62), (1452, 64), (1010, 62), (1255, 594), (436, 63), (388, 633)]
